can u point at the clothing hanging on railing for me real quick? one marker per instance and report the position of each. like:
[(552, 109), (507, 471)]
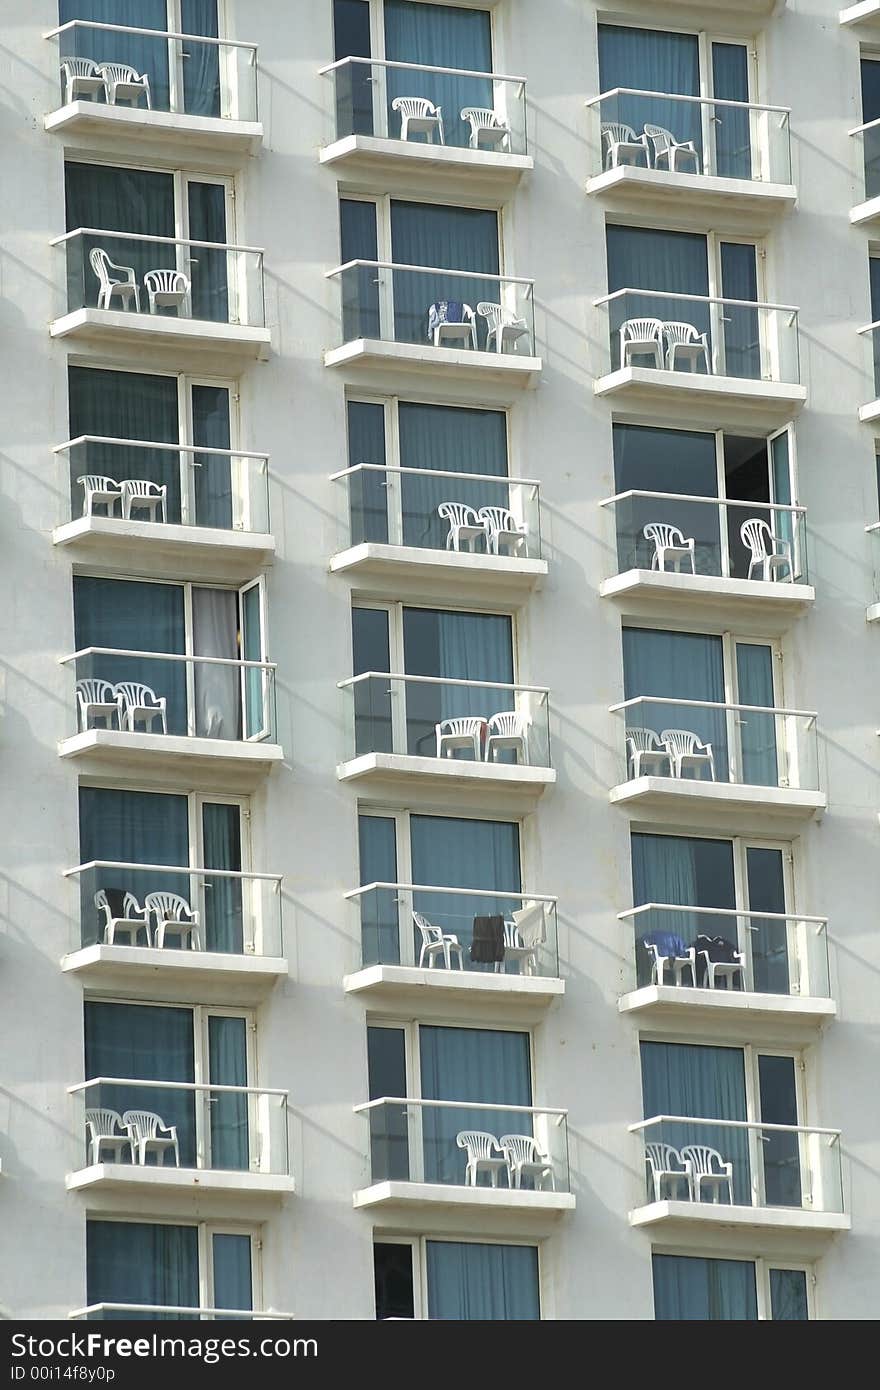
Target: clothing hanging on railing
[(488, 939)]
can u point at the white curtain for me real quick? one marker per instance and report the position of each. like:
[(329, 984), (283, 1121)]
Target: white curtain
[(217, 688)]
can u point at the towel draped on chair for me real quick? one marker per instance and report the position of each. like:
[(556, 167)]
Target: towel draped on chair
[(487, 944)]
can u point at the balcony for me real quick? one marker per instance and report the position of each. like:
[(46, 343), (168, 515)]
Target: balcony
[(393, 724), (731, 157), (694, 757), (866, 12), (430, 153), (474, 535), (870, 412), (719, 363), (204, 720), (873, 612), (775, 972), (162, 1312), (779, 1187), (744, 559), (184, 299), (230, 938), (145, 1138), (417, 1166), (739, 7), (418, 942), (398, 318), (173, 511), (866, 212), (186, 91)]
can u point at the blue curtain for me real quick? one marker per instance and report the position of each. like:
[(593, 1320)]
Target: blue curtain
[(652, 60), (221, 834), (372, 698), (441, 36), (478, 854), (124, 405), (874, 272), (233, 1280), (688, 1288), (116, 200), (742, 325), (482, 1283), (788, 1295), (389, 1124), (454, 238), (141, 52), (132, 1262), (870, 73), (141, 617), (472, 1065), (393, 1279), (733, 139), (227, 1065), (706, 1083), (367, 491), (354, 88), (647, 459), (757, 732), (201, 63), (212, 474), (458, 441), (454, 646), (680, 666), (145, 1044), (129, 828), (360, 286), (643, 258), (380, 923), (780, 1152), (766, 880), (208, 269), (676, 869)]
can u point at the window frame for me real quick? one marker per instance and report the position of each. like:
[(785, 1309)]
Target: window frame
[(762, 1265), (418, 1245)]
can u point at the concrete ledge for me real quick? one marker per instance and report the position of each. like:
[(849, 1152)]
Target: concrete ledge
[(108, 326), (739, 1007), (425, 1194), (516, 370), (373, 154), (690, 796), (176, 972), (447, 569), (709, 590), (411, 982), (168, 550), (136, 1177), (406, 769), (696, 397), (769, 1229), (631, 184), (137, 124), (169, 757), (870, 412), (867, 12)]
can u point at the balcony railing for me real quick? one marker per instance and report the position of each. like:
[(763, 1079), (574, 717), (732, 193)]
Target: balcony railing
[(161, 1312), (186, 484), (367, 88), (707, 742), (406, 715), (241, 1129), (872, 331), (186, 74), (136, 693), (163, 277), (779, 953), (422, 507), (713, 528), (691, 335), (755, 1164), (438, 308), (223, 911), (868, 136), (692, 135), (395, 921), (417, 1141)]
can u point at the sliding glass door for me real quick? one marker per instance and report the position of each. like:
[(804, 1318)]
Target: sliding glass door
[(468, 1281), (454, 646), (454, 238), (134, 1262), (679, 666), (444, 36), (474, 854), (474, 1066)]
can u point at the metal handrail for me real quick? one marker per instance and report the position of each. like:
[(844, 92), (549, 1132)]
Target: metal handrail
[(812, 715), (161, 240), (868, 125), (461, 892), (439, 680), (150, 33), (167, 656), (175, 1086), (361, 1109), (875, 526), (691, 497), (426, 270), (434, 473), (178, 1308), (419, 67), (699, 101), (832, 1134), (196, 871), (820, 922), (869, 327), (700, 299), (149, 444)]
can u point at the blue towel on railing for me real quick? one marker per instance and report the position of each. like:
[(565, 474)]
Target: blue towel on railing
[(444, 311), (668, 943)]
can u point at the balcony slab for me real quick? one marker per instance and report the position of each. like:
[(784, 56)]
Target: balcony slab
[(696, 398), (233, 342), (166, 550), (137, 1180), (763, 1230), (407, 984), (694, 196), (170, 759), (133, 126), (400, 770), (425, 167), (146, 970), (441, 571), (726, 1010), (427, 1195), (507, 371), (752, 599), (693, 798), (867, 12)]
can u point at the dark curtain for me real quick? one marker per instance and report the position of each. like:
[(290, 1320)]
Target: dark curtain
[(367, 491), (116, 200), (766, 882), (354, 89), (742, 325), (213, 474), (209, 270), (372, 698), (389, 1124), (870, 73), (380, 922), (201, 61), (678, 666), (221, 833), (393, 1275), (127, 827), (780, 1152), (227, 1066), (458, 441), (733, 136), (124, 405), (688, 1288), (451, 853), (360, 284), (141, 52), (233, 1277), (441, 36), (132, 1262), (688, 871), (643, 258), (468, 1282), (652, 60), (788, 1295), (647, 459), (458, 238), (454, 646)]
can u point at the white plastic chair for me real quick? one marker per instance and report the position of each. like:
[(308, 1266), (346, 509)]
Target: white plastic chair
[(124, 83), (114, 279), (80, 75), (465, 526), (665, 146), (139, 704), (486, 128), (465, 731), (686, 750), (95, 699), (167, 289), (105, 1129), (143, 1129), (507, 729), (522, 937), (669, 544), (770, 553), (706, 1168), (99, 491), (436, 942), (447, 331), (481, 1150), (644, 746), (503, 325), (174, 917), (525, 1159), (677, 964), (684, 340), (641, 338), (503, 529), (134, 920), (138, 494), (420, 116), (666, 1165), (621, 145), (727, 970)]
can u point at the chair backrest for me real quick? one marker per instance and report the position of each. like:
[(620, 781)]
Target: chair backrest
[(520, 1148), (663, 1158), (80, 67), (704, 1159), (97, 482), (642, 331), (419, 107), (500, 519), (458, 514), (168, 907), (101, 263), (681, 740), (465, 725), (531, 924), (617, 133), (166, 281), (643, 740), (663, 534), (508, 723), (115, 902), (104, 1124), (495, 314), (756, 534), (119, 72), (449, 311), (678, 334), (145, 1123), (134, 693), (430, 934), (661, 138), (481, 116), (478, 1143), (142, 487), (93, 691), (665, 943)]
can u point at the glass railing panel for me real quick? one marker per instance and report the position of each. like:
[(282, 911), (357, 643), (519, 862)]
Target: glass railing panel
[(128, 67), (727, 539), (691, 135), (429, 105), (689, 334), (178, 484), (741, 1164), (141, 1122), (168, 1312), (197, 697), (749, 745), (418, 1141), (867, 138), (456, 929), (444, 309), (164, 277)]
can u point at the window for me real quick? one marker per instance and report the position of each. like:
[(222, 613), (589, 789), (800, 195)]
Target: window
[(692, 1288), (870, 78), (161, 1264), (466, 1280)]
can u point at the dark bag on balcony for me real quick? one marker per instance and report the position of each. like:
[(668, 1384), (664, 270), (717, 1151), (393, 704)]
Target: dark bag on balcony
[(487, 943), (717, 948)]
